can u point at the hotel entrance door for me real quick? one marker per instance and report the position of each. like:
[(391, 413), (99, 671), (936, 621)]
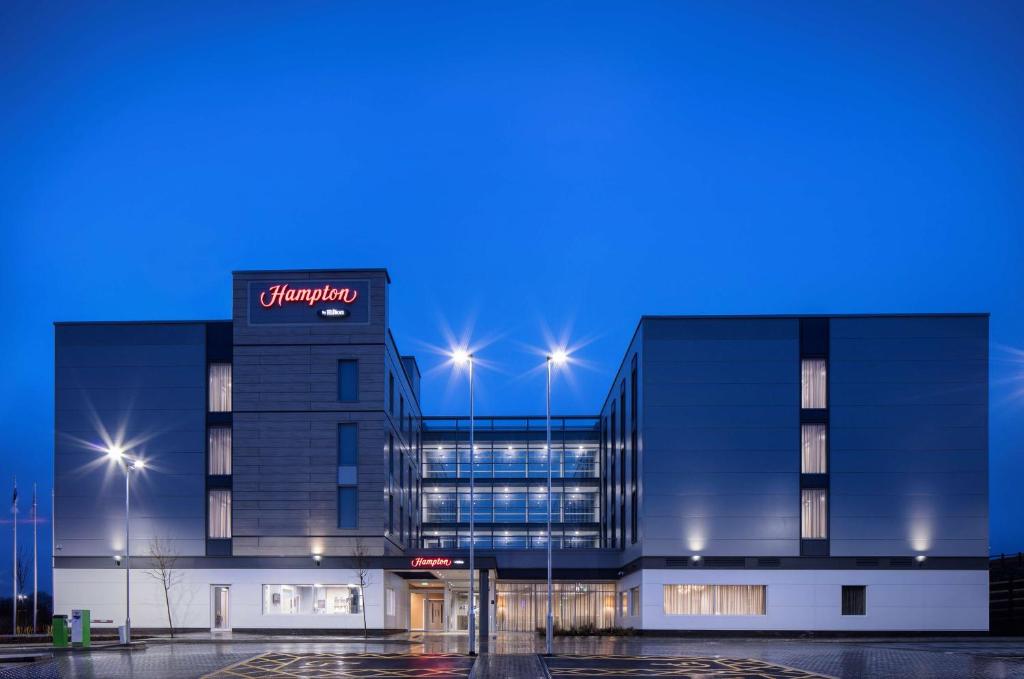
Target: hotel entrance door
[(435, 615)]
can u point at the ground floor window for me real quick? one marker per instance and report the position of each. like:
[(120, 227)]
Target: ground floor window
[(523, 606), (855, 600), (624, 603), (714, 599), (634, 601), (389, 601), (311, 599)]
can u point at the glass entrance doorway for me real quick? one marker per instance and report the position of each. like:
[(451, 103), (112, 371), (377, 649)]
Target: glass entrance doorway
[(435, 615)]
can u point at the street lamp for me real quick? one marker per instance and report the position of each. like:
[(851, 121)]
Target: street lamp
[(462, 357), (116, 453), (556, 358)]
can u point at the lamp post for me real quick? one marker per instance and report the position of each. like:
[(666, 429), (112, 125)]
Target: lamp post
[(130, 464), (554, 358), (463, 357)]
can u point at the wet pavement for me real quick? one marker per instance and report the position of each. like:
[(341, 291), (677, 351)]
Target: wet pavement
[(628, 666), (514, 656)]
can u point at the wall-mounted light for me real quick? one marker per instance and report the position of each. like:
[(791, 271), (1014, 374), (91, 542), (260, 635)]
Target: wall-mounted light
[(695, 558), (316, 559), (117, 559), (920, 558)]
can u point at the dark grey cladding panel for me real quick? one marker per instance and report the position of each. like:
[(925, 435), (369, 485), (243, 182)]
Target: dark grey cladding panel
[(908, 435), (143, 384), (721, 436), (764, 329)]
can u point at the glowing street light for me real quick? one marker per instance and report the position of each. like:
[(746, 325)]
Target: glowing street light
[(117, 454), (556, 357), (462, 356)]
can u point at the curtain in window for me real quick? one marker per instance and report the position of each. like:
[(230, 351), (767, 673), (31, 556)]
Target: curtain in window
[(714, 599), (813, 439), (220, 388), (218, 444), (813, 383), (813, 514), (220, 514)]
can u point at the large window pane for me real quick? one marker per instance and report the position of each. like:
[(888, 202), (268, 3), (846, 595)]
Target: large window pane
[(813, 448), (348, 507), (813, 383), (220, 514), (220, 388), (311, 600), (855, 600), (348, 444), (218, 444), (714, 599), (813, 514), (522, 607), (348, 380)]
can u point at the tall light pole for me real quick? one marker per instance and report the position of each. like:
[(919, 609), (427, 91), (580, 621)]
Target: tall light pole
[(116, 454), (463, 357), (554, 358)]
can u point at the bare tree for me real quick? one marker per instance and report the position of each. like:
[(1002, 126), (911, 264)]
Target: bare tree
[(164, 559), (361, 555)]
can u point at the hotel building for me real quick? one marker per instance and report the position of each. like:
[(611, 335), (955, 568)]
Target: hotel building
[(741, 473)]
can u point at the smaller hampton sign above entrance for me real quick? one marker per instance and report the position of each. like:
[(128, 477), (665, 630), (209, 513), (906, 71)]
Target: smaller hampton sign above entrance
[(309, 302), (430, 562)]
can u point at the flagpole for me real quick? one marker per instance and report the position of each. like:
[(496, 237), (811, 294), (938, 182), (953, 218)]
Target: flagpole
[(14, 559), (35, 560)]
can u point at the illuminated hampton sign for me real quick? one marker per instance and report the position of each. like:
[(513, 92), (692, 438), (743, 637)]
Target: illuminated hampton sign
[(430, 562), (280, 294), (307, 302)]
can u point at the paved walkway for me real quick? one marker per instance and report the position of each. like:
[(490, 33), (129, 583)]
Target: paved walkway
[(514, 657)]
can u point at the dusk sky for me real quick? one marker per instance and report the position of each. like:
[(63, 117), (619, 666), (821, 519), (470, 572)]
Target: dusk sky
[(524, 171)]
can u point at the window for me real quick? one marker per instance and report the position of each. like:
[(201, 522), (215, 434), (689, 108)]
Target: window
[(219, 502), (813, 439), (401, 412), (348, 444), (220, 388), (622, 463), (389, 601), (218, 446), (714, 599), (813, 383), (634, 601), (623, 604), (348, 507), (612, 503), (813, 514), (634, 454), (855, 600), (391, 394), (348, 380), (311, 600)]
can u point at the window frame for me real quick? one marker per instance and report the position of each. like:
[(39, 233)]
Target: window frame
[(348, 386)]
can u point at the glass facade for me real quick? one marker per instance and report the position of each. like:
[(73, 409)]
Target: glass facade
[(523, 606), (510, 467)]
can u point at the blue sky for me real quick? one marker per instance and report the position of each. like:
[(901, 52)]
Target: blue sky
[(524, 170)]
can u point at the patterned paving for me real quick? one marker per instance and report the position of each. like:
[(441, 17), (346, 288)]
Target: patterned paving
[(698, 667), (285, 665)]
